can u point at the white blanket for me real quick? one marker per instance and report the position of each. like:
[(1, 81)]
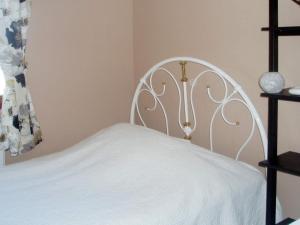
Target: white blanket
[(130, 175)]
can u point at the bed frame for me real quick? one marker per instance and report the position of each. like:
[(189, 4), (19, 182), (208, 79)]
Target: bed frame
[(186, 91)]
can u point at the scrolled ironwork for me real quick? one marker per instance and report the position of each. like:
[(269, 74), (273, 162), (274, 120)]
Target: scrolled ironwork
[(237, 95)]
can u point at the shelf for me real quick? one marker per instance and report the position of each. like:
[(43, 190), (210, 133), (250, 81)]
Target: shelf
[(288, 162), (284, 95), (296, 1), (286, 222), (285, 31)]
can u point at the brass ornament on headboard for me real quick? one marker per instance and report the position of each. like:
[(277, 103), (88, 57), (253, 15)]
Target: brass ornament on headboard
[(184, 80), (183, 71)]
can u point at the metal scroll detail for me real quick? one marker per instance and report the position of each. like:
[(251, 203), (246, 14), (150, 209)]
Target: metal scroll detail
[(147, 86), (186, 90), (221, 104)]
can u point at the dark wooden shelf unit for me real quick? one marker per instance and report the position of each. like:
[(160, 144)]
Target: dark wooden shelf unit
[(285, 31), (286, 222), (284, 95), (288, 162)]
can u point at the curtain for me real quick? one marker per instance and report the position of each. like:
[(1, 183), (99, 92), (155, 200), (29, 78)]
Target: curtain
[(19, 128)]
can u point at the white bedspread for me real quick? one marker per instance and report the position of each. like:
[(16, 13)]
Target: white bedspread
[(129, 175)]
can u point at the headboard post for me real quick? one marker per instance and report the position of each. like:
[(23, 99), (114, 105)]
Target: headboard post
[(187, 124)]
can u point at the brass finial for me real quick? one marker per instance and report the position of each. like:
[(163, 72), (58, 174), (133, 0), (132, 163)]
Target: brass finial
[(183, 77), (187, 124), (188, 137)]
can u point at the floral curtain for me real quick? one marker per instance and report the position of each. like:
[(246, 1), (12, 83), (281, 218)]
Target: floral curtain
[(19, 128)]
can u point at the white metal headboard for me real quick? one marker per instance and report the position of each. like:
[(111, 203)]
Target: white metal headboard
[(186, 96)]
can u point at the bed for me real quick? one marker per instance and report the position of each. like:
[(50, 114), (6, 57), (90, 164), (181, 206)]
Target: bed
[(129, 174)]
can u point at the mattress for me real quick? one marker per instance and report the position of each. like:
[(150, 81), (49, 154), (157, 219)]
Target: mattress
[(132, 175)]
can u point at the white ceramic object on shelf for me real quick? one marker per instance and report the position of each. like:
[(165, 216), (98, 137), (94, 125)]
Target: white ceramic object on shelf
[(272, 82), (294, 91)]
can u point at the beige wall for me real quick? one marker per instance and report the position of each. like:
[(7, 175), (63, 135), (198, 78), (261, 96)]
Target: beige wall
[(227, 34), (81, 68)]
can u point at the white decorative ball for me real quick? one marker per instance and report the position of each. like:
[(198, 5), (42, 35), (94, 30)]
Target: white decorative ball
[(272, 82)]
